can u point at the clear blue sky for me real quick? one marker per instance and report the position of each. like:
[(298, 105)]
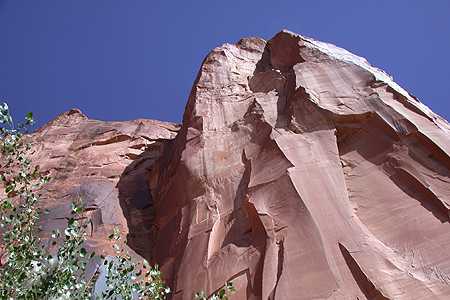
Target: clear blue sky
[(125, 59)]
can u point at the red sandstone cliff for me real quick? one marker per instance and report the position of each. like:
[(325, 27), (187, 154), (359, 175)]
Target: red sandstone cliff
[(299, 172), (302, 172)]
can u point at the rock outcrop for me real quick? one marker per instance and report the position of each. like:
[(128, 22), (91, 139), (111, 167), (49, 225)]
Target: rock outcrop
[(89, 161), (299, 172), (302, 172)]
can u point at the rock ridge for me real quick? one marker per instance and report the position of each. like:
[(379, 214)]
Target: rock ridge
[(89, 161)]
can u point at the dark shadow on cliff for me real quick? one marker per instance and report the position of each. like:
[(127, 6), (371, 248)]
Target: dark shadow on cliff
[(136, 201), (365, 285)]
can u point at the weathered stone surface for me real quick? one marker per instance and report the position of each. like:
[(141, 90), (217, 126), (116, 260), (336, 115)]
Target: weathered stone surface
[(299, 172), (89, 160), (302, 172)]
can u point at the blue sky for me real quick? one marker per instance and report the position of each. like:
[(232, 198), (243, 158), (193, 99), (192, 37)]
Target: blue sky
[(126, 59)]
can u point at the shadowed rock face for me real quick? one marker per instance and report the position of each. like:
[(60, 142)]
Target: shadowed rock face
[(299, 172), (91, 161), (302, 172)]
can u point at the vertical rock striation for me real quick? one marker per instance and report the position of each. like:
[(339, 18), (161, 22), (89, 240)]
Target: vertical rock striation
[(302, 172)]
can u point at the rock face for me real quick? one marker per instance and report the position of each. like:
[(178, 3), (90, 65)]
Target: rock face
[(302, 172), (90, 161), (299, 172)]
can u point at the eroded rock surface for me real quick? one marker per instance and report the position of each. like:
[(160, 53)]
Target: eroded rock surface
[(302, 172), (90, 161), (299, 172)]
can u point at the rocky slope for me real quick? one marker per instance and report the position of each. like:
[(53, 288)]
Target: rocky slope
[(299, 172)]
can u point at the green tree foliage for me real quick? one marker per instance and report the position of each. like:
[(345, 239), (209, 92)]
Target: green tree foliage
[(125, 278)]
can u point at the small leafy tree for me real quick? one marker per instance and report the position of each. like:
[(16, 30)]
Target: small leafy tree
[(124, 278), (23, 256)]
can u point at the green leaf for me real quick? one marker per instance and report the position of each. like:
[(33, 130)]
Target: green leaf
[(75, 208), (7, 204), (71, 221), (9, 188), (230, 287), (5, 117), (29, 118), (83, 252)]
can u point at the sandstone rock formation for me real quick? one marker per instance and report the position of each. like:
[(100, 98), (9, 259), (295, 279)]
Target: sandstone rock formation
[(90, 161), (302, 172), (299, 172)]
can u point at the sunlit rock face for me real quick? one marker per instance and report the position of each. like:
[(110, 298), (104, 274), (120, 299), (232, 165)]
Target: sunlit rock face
[(299, 172), (103, 165), (302, 172)]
